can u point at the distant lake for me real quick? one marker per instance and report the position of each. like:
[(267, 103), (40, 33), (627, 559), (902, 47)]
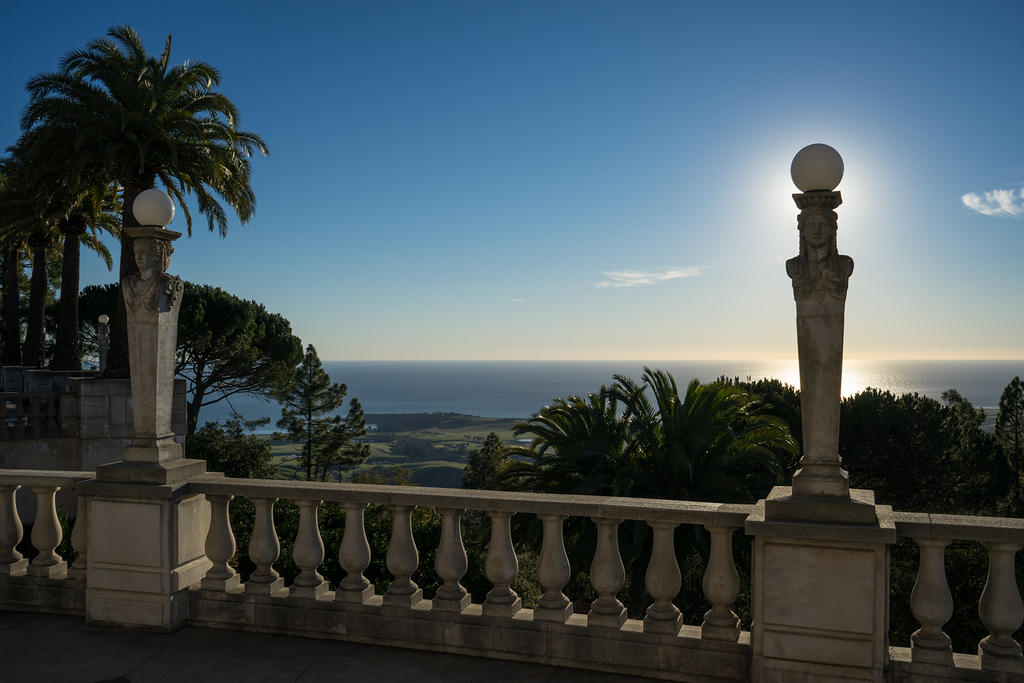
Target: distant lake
[(519, 388)]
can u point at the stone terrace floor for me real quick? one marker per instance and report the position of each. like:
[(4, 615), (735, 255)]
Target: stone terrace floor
[(45, 647)]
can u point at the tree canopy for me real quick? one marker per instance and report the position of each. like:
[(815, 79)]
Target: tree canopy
[(309, 401)]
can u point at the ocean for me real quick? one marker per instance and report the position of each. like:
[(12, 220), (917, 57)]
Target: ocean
[(519, 388)]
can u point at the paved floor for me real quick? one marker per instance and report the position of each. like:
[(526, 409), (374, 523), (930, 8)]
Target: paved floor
[(43, 647)]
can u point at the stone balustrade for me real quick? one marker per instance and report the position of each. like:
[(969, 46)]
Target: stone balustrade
[(30, 415), (1000, 607), (499, 626), (659, 645)]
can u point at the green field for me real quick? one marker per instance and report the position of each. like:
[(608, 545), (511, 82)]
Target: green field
[(434, 447)]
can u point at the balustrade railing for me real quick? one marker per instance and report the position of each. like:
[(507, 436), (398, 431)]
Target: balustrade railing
[(1000, 607), (663, 578), (46, 530), (29, 415)]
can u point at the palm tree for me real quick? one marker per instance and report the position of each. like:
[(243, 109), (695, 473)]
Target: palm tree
[(14, 215), (142, 119), (713, 444)]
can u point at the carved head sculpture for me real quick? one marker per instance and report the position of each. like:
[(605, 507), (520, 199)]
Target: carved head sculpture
[(152, 256), (818, 226)]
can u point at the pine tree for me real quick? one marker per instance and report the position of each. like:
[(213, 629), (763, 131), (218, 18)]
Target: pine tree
[(1010, 430), (307, 417), (485, 464)]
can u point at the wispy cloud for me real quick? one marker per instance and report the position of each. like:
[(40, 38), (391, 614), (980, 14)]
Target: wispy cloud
[(641, 278), (996, 202), (517, 301)]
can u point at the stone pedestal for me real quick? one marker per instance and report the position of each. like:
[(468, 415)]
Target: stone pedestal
[(146, 548), (820, 589)]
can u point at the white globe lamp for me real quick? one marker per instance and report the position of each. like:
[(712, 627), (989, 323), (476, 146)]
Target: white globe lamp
[(817, 167), (153, 207)]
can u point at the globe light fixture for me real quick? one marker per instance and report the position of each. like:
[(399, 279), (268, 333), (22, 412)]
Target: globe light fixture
[(817, 167), (153, 207), (103, 319)]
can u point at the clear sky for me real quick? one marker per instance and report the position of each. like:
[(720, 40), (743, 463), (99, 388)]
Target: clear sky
[(597, 180)]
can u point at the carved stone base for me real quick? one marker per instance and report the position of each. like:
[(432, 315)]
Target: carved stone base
[(606, 615), (821, 480), (151, 472), (314, 591), (931, 650), (663, 621), (403, 599), (49, 571), (727, 630), (354, 596), (1000, 656), (18, 568), (457, 605), (225, 585), (275, 588), (783, 504), (558, 612), (502, 609)]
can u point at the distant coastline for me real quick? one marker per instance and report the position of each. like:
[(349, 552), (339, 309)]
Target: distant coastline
[(517, 389)]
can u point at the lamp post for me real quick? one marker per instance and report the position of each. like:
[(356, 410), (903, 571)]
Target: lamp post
[(152, 301), (103, 339), (820, 275)]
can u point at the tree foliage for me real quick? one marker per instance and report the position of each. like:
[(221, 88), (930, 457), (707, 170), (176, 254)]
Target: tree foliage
[(226, 345), (328, 441), (485, 464), (1009, 432), (231, 448)]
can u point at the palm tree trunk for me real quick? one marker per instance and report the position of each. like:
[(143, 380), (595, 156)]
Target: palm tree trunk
[(12, 323), (35, 337), (68, 354), (117, 356)]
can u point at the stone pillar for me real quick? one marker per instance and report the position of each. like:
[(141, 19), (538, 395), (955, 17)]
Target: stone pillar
[(820, 580), (146, 536)]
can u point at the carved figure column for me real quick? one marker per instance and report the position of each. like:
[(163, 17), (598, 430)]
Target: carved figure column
[(402, 559), (553, 573), (819, 583), (354, 557), (1001, 611), (607, 575), (501, 567), (145, 497), (451, 564)]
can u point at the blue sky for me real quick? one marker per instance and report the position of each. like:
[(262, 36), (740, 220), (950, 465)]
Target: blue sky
[(537, 180)]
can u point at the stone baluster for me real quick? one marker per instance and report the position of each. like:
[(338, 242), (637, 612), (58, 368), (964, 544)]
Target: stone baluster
[(354, 557), (932, 605), (501, 566), (35, 408), (80, 540), (663, 581), (20, 421), (553, 573), (721, 586), (607, 576), (264, 548), (220, 546), (1001, 611), (308, 552), (402, 559), (451, 564), (11, 561), (47, 535), (4, 429)]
